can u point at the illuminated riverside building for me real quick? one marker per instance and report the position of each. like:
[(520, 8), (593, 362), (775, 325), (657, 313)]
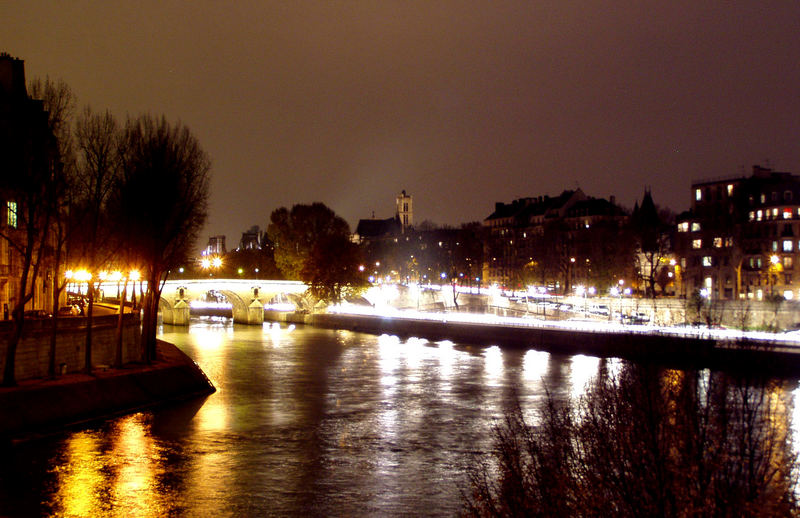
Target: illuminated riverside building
[(559, 238), (740, 239)]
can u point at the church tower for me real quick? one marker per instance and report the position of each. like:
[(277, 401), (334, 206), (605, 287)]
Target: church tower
[(404, 211)]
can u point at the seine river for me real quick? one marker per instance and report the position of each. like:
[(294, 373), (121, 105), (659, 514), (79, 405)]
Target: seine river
[(305, 421)]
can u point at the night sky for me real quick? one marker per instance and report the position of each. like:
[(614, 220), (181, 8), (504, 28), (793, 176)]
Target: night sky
[(460, 103)]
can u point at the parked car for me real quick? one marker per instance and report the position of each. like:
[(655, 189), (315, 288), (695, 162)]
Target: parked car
[(37, 313)]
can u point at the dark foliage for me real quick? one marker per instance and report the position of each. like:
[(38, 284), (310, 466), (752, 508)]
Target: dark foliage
[(648, 442)]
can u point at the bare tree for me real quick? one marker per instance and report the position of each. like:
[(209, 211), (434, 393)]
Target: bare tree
[(648, 442), (98, 137), (59, 103), (162, 196)]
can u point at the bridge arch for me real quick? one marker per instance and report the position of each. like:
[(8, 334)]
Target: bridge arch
[(247, 296)]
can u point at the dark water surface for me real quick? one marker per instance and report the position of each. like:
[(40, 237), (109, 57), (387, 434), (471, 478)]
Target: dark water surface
[(305, 421)]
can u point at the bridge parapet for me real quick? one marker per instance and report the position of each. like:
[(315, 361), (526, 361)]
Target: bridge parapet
[(247, 296)]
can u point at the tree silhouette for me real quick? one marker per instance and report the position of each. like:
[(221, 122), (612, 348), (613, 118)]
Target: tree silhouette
[(162, 200)]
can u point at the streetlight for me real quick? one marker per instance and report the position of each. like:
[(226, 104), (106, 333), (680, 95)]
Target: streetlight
[(615, 292), (581, 291)]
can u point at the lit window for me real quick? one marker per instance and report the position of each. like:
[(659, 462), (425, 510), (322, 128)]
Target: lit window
[(787, 213), (787, 245), (759, 215), (717, 242), (12, 213), (730, 189), (707, 260), (752, 215), (774, 246), (683, 226), (695, 226), (775, 213), (697, 243), (728, 241), (698, 194), (787, 262), (763, 198)]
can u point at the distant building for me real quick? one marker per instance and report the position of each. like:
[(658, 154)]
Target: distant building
[(215, 246), (376, 229), (551, 236), (741, 237), (251, 239), (405, 212)]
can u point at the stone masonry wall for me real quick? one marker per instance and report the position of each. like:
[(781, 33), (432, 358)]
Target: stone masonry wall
[(33, 350)]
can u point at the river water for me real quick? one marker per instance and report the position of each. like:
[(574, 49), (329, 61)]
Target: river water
[(305, 421)]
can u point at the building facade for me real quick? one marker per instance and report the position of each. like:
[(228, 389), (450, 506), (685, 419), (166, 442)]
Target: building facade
[(740, 239)]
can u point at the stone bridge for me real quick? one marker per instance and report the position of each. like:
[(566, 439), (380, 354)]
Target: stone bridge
[(247, 296)]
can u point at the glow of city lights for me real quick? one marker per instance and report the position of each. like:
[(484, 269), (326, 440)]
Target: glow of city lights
[(134, 276), (216, 262), (205, 263), (82, 276), (115, 276)]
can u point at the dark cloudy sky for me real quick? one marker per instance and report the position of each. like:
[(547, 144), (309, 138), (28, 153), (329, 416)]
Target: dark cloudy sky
[(460, 103)]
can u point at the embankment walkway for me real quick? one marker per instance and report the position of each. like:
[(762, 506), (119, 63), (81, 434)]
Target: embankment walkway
[(672, 346)]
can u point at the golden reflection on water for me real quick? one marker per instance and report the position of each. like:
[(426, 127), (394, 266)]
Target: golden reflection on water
[(116, 478)]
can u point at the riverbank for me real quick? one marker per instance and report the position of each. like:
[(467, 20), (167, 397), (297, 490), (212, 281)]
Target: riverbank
[(668, 346), (41, 405)]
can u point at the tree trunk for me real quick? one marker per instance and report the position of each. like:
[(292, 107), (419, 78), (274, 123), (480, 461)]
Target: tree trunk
[(87, 359), (118, 353)]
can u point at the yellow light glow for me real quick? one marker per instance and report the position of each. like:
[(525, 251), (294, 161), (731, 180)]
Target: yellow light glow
[(205, 263), (68, 274), (134, 275), (115, 276), (82, 276), (216, 262)]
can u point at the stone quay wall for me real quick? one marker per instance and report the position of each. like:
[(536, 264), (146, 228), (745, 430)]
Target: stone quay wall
[(33, 350), (667, 349)]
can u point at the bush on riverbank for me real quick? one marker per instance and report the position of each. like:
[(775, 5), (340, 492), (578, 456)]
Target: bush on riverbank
[(647, 442)]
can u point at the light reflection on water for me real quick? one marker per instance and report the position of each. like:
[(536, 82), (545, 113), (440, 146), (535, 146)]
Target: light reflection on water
[(304, 421)]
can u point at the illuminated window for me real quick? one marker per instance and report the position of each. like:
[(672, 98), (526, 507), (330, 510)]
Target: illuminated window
[(763, 198), (695, 226), (698, 194), (787, 245), (774, 246), (12, 213), (717, 242), (775, 213), (752, 215), (787, 213), (728, 241), (707, 260), (697, 243), (683, 226), (730, 189), (787, 262), (758, 215)]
